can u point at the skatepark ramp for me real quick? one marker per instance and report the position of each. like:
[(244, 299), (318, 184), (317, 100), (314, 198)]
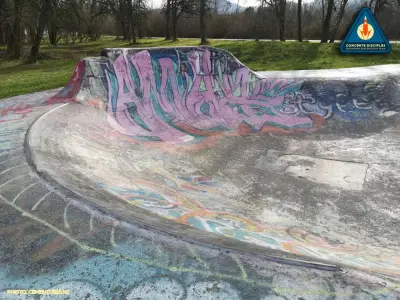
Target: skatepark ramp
[(192, 142)]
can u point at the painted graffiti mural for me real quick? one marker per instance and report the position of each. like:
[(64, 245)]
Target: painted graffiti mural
[(175, 96), (186, 94)]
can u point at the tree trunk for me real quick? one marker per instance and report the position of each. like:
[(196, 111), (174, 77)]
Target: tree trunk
[(131, 23), (2, 31), (128, 13), (281, 13), (174, 20), (339, 19), (122, 15), (34, 50), (167, 20), (53, 33), (281, 30), (31, 34), (299, 21), (140, 29), (2, 40), (370, 4), (203, 22), (378, 7), (174, 33), (46, 16), (14, 47), (133, 33), (123, 28), (327, 22), (36, 45), (138, 19)]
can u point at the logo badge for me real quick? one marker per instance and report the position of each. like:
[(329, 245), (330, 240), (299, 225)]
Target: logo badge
[(365, 36)]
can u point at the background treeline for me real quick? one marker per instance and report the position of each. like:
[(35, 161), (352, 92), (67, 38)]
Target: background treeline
[(73, 21), (261, 23)]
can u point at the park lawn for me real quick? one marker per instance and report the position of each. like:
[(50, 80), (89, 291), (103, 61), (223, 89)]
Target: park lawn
[(56, 64)]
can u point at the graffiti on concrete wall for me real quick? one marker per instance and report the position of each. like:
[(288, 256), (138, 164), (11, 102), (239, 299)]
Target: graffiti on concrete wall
[(184, 95), (72, 88), (180, 96)]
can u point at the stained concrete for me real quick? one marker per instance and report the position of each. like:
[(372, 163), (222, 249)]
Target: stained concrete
[(50, 239), (345, 203), (280, 212), (299, 166)]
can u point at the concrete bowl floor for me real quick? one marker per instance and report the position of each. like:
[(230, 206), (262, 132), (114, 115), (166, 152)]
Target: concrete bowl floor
[(330, 196)]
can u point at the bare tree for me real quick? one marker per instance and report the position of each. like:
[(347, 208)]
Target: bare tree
[(378, 5), (141, 16), (280, 11), (131, 20), (327, 22), (261, 22), (203, 36), (128, 13), (168, 20), (178, 8), (4, 22), (46, 12), (338, 20), (299, 21), (279, 7), (14, 45)]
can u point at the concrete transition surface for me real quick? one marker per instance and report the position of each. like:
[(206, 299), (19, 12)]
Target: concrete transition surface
[(308, 167), (209, 180)]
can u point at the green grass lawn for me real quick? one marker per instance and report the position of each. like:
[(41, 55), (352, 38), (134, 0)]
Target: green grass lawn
[(57, 63)]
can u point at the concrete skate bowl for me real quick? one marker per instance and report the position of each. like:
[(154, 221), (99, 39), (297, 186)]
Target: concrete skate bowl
[(191, 142)]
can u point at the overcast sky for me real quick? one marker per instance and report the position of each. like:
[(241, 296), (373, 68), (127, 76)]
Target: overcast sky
[(157, 3)]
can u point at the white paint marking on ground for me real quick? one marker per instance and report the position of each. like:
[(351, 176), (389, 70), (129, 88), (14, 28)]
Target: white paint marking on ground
[(112, 235), (9, 169), (41, 200), (198, 258), (239, 263), (11, 159), (8, 152), (23, 191), (66, 225), (128, 258), (12, 180), (91, 222)]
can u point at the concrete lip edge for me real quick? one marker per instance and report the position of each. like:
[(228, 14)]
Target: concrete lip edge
[(191, 235)]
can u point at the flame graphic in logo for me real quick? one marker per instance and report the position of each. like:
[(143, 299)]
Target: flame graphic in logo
[(365, 31)]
